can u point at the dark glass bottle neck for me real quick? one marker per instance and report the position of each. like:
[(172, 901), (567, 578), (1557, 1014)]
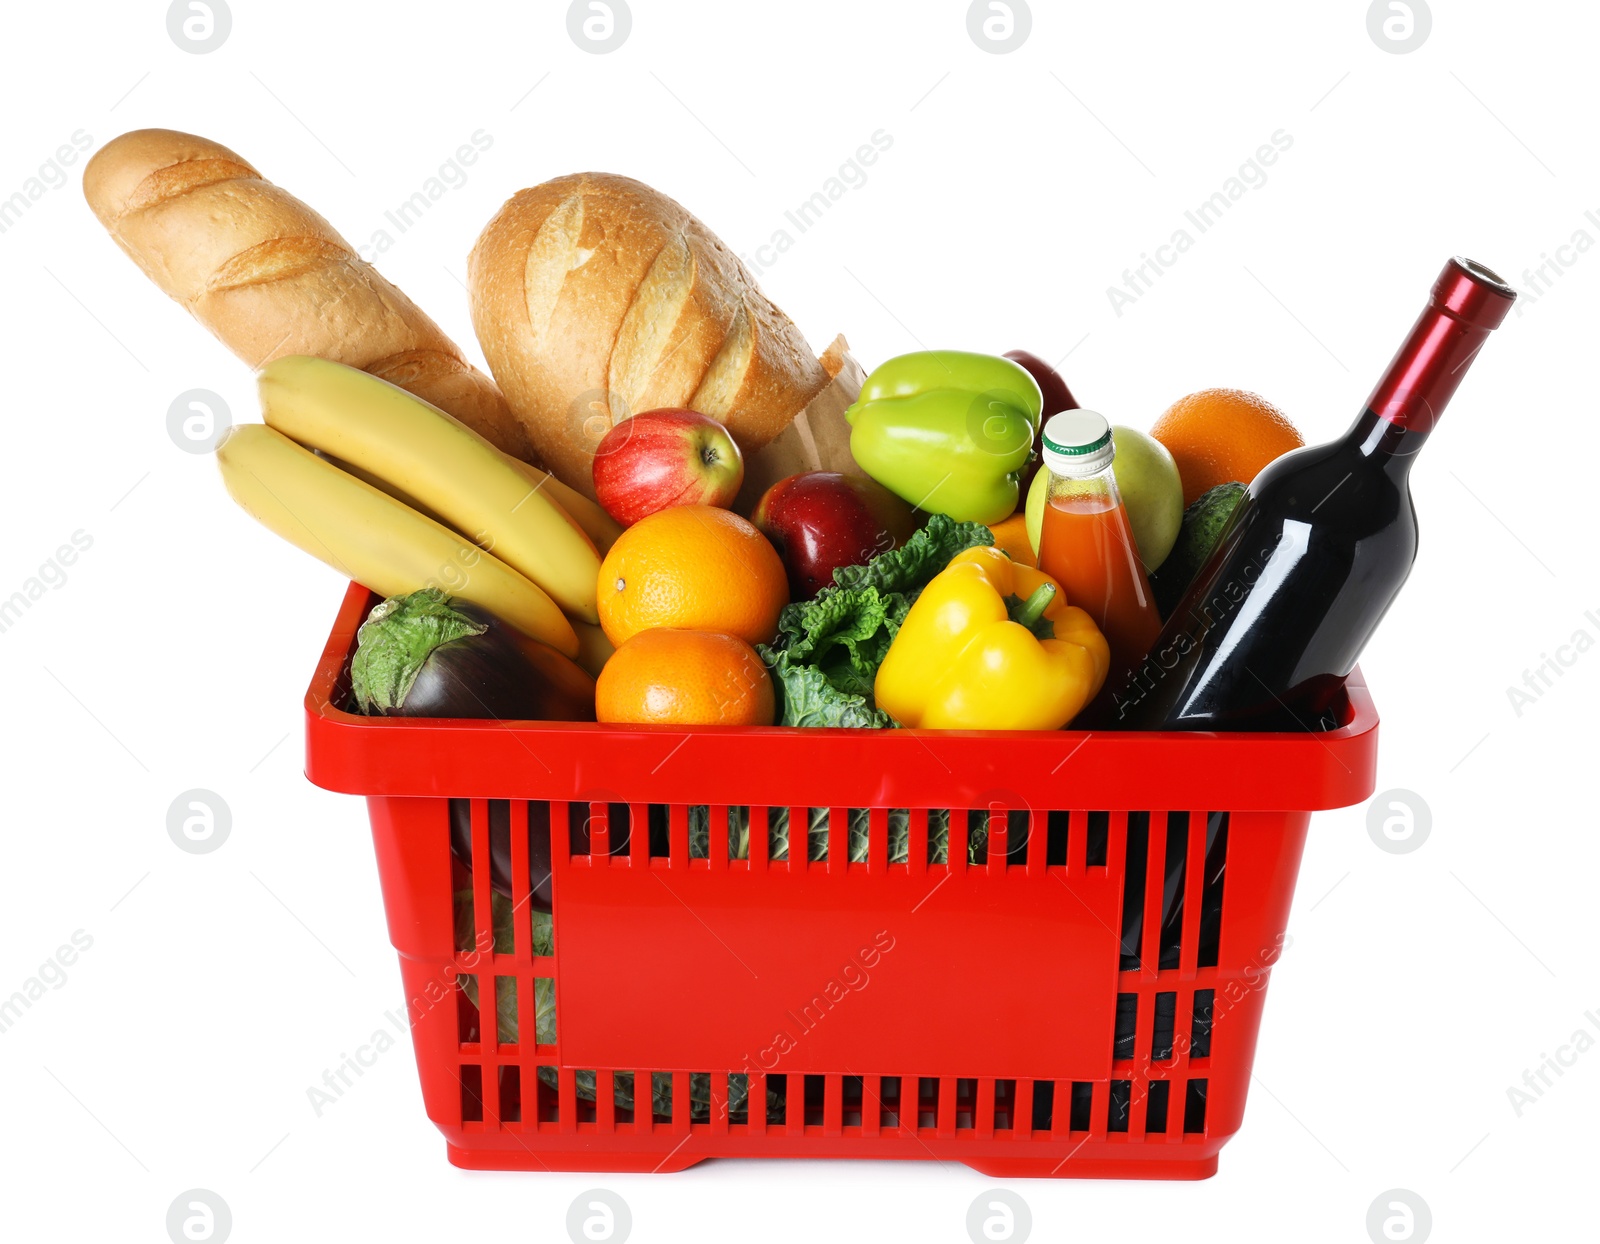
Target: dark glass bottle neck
[(1386, 443)]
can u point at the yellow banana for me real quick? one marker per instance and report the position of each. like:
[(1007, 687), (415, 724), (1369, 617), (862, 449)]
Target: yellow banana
[(599, 526), (594, 649), (379, 542), (414, 450), (596, 523)]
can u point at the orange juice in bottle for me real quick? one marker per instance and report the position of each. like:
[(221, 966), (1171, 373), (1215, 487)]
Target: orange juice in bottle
[(1086, 543)]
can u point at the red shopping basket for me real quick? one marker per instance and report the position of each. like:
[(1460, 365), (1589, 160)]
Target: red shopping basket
[(630, 948)]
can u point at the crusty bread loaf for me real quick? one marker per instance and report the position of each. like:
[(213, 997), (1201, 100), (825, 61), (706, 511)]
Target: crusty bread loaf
[(269, 277), (595, 298)]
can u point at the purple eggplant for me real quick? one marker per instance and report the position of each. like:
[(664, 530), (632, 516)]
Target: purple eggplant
[(427, 655), (500, 846)]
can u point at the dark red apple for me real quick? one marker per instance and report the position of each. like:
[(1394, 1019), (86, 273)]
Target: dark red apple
[(821, 520), (1057, 398), (667, 457)]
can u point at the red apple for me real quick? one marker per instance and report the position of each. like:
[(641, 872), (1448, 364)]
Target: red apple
[(1057, 398), (661, 458), (821, 520)]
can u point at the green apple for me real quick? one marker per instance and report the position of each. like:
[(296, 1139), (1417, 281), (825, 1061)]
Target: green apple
[(1148, 479), (1033, 507)]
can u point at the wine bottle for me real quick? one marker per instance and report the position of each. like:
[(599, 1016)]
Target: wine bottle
[(1315, 552)]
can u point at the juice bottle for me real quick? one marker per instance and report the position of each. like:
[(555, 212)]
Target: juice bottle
[(1086, 543)]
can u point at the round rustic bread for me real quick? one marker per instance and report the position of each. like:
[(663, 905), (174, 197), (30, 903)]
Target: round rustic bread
[(595, 298)]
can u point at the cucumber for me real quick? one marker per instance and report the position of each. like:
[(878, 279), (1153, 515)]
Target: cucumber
[(1203, 524)]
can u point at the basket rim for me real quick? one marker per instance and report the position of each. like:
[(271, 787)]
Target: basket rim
[(430, 757)]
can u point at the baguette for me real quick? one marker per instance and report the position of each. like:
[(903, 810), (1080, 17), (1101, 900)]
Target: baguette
[(270, 277), (595, 297)]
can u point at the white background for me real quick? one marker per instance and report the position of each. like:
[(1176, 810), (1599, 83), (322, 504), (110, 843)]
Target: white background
[(1419, 987)]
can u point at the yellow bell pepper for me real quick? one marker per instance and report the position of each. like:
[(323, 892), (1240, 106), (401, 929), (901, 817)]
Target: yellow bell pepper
[(992, 645)]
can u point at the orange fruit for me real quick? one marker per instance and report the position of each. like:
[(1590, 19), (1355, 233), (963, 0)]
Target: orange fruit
[(1218, 436), (667, 677), (695, 568), (1011, 534)]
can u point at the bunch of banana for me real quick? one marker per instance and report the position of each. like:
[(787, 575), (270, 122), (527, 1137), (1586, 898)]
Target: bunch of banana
[(405, 497)]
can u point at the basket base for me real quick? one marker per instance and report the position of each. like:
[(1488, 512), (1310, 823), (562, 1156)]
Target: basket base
[(599, 1161), (1095, 1168), (508, 1153)]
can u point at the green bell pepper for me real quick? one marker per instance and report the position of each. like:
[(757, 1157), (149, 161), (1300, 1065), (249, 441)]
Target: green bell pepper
[(948, 431)]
